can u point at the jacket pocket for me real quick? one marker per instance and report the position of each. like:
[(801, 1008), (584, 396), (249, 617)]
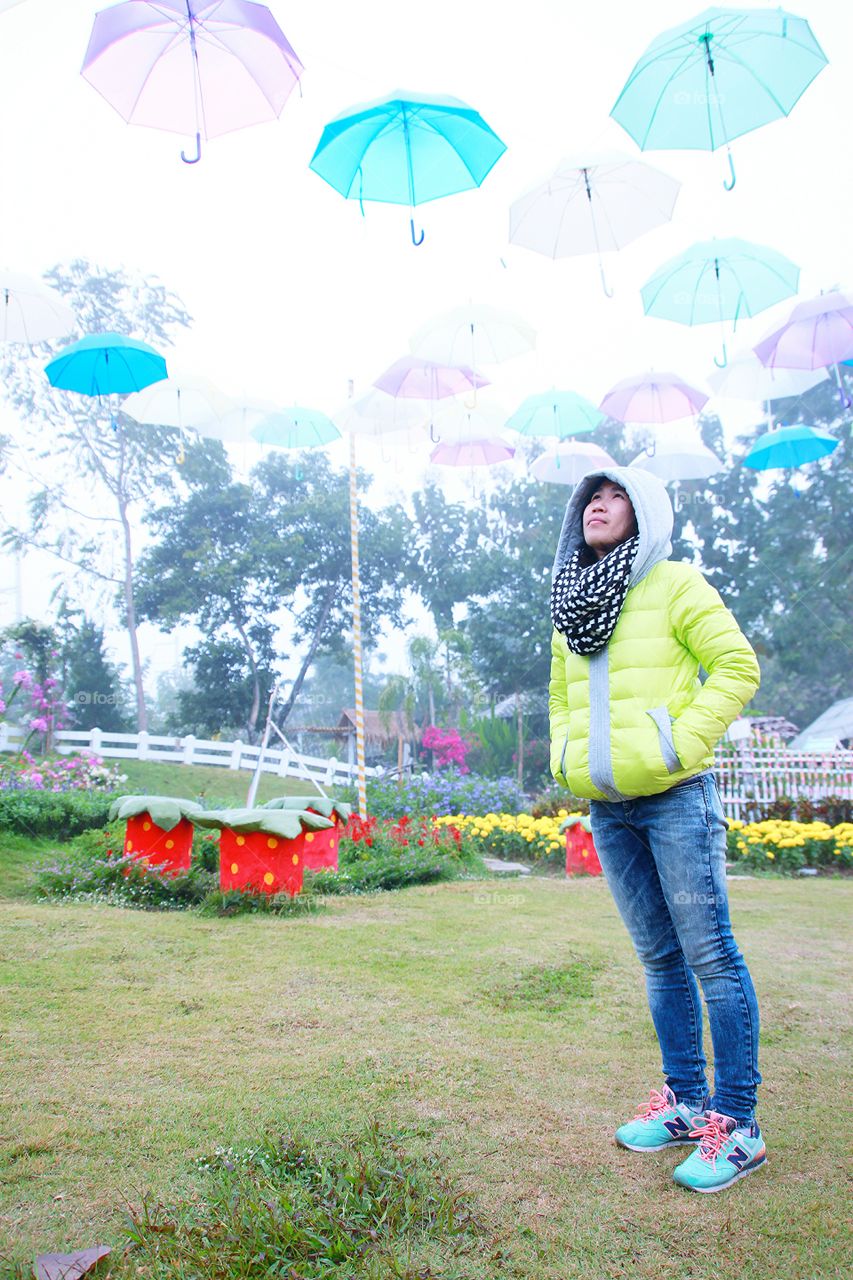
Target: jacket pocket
[(663, 722)]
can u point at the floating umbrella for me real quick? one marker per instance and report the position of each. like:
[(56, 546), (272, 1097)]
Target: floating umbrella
[(31, 312), (725, 72), (592, 204), (295, 429), (483, 452), (376, 414), (719, 280), (555, 413), (570, 462), (682, 458), (203, 67), (818, 334), (474, 335), (104, 364), (789, 447), (418, 379), (653, 397), (181, 401), (746, 378), (406, 149)]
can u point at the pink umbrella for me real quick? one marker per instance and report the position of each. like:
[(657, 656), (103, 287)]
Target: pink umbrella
[(426, 380), (653, 397), (191, 66), (817, 334), (472, 453)]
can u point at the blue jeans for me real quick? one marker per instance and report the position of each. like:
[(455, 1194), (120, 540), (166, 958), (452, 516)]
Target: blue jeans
[(664, 857)]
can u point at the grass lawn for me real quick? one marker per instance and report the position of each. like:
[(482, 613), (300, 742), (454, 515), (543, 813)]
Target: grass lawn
[(134, 1042), (217, 786)]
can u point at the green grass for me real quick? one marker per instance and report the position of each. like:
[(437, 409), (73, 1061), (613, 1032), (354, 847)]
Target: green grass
[(215, 785), (135, 1043)]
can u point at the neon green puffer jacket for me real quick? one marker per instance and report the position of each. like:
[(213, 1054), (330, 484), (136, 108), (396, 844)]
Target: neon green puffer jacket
[(634, 719)]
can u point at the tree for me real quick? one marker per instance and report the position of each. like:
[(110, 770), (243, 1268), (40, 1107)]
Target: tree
[(94, 690), (445, 549), (92, 469)]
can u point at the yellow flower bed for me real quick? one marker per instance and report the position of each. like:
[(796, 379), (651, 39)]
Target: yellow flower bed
[(510, 835), (791, 844)]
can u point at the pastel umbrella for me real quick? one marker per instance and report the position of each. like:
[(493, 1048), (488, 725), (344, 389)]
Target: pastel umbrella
[(722, 74), (296, 428), (376, 414), (31, 312), (203, 67), (570, 462), (719, 280), (653, 397), (789, 447), (555, 413), (746, 378), (592, 204), (818, 333), (104, 364), (473, 335), (681, 457), (470, 421), (236, 424), (474, 452), (406, 149), (427, 380), (181, 400)]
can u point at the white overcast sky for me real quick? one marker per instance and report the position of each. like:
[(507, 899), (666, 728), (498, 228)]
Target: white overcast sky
[(293, 292)]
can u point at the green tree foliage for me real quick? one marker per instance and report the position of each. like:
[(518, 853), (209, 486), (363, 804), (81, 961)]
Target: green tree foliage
[(446, 547), (94, 690)]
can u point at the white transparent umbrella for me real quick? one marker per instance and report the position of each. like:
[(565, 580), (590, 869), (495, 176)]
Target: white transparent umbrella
[(238, 423), (570, 462), (30, 311), (473, 335), (592, 203), (746, 378), (682, 458), (377, 414), (182, 400)]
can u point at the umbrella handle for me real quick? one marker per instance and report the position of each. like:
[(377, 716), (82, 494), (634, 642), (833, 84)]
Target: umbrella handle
[(729, 185), (433, 437), (608, 293), (415, 240), (193, 159), (721, 364)]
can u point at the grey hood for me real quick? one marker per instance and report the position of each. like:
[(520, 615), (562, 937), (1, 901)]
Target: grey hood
[(652, 507)]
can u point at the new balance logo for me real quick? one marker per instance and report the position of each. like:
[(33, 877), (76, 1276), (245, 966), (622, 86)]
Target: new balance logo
[(738, 1157), (676, 1127)]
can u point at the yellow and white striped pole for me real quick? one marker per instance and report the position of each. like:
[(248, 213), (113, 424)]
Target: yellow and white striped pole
[(356, 628)]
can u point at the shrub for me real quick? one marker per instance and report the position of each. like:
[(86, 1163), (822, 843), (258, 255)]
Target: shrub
[(776, 845), (61, 814), (441, 794), (375, 854)]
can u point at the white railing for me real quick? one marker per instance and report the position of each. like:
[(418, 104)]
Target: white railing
[(286, 763), (750, 777)]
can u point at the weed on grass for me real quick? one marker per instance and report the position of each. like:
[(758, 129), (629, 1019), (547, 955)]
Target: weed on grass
[(547, 988), (288, 1208)]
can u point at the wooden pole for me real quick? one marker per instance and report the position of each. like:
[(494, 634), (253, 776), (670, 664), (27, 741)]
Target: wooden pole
[(356, 628)]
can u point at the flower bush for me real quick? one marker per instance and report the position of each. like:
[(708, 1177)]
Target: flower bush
[(448, 747), (779, 845), (84, 771), (46, 711), (440, 794), (515, 836)]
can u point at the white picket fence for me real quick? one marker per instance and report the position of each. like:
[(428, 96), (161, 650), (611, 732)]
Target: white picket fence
[(189, 750), (750, 777)]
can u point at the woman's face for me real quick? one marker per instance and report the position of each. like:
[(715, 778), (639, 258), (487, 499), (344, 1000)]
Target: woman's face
[(608, 518)]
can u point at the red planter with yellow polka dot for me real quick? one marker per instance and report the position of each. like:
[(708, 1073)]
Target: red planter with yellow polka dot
[(259, 862), (168, 851), (320, 848), (581, 856)]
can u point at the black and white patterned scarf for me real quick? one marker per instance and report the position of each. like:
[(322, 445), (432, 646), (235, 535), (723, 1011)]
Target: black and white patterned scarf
[(585, 602)]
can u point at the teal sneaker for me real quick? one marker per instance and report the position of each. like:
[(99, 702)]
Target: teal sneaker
[(725, 1153), (663, 1123)]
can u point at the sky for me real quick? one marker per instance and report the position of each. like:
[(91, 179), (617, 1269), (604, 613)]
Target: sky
[(294, 293)]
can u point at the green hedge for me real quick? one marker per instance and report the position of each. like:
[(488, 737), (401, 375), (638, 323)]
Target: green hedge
[(60, 814)]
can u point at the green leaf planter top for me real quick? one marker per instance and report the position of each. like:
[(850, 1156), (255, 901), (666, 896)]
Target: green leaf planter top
[(165, 811), (320, 803), (287, 823), (578, 819)]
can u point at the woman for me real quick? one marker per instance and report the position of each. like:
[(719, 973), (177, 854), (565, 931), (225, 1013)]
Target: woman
[(633, 730)]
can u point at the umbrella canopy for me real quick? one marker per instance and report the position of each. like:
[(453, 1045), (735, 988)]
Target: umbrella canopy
[(653, 397), (473, 335), (181, 400), (592, 204), (483, 452), (377, 414), (555, 413), (30, 311), (425, 380), (105, 364), (716, 77), (746, 378), (570, 462), (465, 422), (406, 149), (295, 429), (681, 458), (789, 447), (818, 333), (717, 280), (203, 67)]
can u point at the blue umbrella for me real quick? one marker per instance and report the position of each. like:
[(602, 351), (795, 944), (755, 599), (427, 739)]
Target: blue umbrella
[(724, 73), (789, 447), (295, 429), (555, 413), (104, 364), (719, 280), (406, 149)]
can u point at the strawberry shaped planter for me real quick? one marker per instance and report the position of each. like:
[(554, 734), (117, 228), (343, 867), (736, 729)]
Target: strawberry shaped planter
[(318, 848), (261, 850), (159, 832), (581, 857)]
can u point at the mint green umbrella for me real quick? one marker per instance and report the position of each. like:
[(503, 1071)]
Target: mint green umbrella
[(720, 75), (555, 413), (719, 280), (295, 429)]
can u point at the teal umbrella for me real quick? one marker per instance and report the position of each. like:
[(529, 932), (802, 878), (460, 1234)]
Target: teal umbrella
[(789, 447), (406, 149), (726, 72), (104, 364), (295, 429), (555, 413), (719, 280)]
